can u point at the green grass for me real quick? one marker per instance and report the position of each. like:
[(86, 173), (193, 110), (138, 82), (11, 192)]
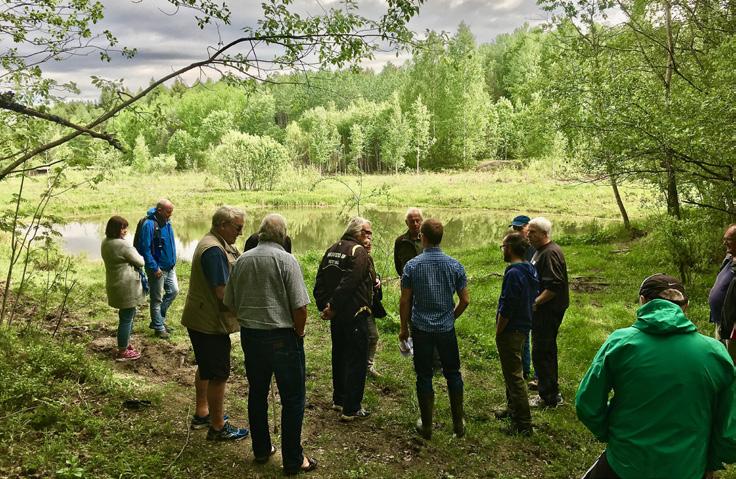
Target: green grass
[(61, 400)]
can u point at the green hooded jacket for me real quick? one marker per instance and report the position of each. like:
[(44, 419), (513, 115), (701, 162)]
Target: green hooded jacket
[(673, 409)]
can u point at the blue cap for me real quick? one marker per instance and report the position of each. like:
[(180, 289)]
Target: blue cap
[(520, 220)]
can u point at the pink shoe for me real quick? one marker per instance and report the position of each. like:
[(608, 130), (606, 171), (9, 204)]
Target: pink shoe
[(129, 354)]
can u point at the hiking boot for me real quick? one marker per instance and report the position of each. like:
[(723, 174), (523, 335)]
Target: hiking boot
[(336, 407), (359, 414), (505, 413), (533, 385), (162, 334), (201, 422), (129, 354), (227, 433)]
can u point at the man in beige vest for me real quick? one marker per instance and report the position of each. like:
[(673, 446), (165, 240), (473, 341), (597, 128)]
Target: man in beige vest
[(210, 324)]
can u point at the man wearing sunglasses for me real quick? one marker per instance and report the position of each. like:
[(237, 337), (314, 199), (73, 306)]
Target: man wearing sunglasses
[(210, 324)]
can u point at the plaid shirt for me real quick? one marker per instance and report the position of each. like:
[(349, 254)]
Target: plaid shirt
[(434, 278)]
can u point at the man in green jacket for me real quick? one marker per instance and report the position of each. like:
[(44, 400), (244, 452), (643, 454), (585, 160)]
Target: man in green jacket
[(672, 414)]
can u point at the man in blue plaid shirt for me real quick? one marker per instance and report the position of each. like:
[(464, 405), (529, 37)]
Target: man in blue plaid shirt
[(428, 286)]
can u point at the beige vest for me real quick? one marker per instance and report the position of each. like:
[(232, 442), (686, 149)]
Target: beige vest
[(202, 309)]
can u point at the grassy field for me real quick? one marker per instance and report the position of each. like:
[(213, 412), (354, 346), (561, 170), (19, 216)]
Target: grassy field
[(61, 404)]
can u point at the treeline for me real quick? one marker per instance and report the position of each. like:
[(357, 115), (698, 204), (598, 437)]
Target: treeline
[(448, 107)]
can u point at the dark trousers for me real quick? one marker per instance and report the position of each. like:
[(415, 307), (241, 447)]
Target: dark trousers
[(601, 470), (545, 325), (278, 352), (510, 346), (349, 361), (446, 344)]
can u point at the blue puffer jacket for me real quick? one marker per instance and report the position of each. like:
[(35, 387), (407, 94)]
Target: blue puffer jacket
[(158, 250)]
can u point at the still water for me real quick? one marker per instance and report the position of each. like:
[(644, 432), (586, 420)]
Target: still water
[(314, 229)]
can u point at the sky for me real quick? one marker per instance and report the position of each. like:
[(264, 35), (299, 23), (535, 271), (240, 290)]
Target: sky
[(166, 41)]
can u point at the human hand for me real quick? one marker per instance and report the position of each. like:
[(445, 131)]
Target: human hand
[(404, 334), (709, 475), (327, 314), (158, 273)]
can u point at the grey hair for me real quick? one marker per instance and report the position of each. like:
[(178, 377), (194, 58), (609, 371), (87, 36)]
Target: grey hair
[(413, 210), (273, 228), (163, 203), (542, 224), (355, 225), (226, 214)]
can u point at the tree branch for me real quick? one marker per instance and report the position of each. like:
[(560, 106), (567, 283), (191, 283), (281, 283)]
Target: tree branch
[(7, 103)]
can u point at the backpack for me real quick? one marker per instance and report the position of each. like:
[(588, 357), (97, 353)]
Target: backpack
[(139, 228)]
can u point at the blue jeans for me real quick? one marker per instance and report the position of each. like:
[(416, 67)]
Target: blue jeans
[(446, 345), (526, 356), (163, 292), (125, 326), (280, 353)]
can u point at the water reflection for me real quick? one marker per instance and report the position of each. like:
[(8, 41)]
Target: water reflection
[(314, 229)]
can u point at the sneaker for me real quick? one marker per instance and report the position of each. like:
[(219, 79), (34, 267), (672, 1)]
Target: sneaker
[(359, 414), (162, 333), (538, 402), (533, 385), (227, 433), (201, 422), (503, 413), (129, 354)]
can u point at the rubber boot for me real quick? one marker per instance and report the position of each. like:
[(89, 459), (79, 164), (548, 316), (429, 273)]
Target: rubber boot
[(426, 410), (456, 407)]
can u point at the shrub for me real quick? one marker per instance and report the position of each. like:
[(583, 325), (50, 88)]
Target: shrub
[(248, 162)]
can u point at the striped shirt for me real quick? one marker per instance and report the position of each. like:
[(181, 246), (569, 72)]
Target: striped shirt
[(434, 278)]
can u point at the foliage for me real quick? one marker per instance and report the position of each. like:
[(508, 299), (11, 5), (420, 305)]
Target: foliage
[(248, 162)]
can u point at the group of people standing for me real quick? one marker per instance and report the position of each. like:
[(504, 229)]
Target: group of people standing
[(674, 389)]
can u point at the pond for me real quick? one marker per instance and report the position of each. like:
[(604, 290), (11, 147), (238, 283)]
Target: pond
[(315, 229)]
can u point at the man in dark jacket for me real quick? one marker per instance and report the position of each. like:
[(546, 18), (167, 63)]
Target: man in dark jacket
[(513, 323), (343, 291), (549, 309), (157, 246), (672, 413), (722, 298), (409, 244)]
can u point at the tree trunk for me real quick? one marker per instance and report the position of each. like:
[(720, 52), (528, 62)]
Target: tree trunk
[(620, 203), (673, 200)]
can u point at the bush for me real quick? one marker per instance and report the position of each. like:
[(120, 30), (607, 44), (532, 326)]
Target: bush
[(691, 243), (248, 162)]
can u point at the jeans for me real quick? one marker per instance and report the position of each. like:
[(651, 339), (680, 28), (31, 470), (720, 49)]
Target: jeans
[(349, 361), (163, 292), (526, 356), (446, 345), (280, 353), (372, 340), (510, 345), (545, 326), (125, 326)]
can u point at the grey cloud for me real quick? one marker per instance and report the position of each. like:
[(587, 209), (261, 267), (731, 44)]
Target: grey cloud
[(167, 42)]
